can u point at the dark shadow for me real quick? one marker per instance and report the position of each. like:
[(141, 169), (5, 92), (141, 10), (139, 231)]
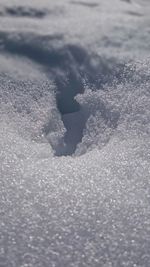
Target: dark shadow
[(20, 11), (127, 1), (91, 5), (133, 13), (30, 12), (34, 48)]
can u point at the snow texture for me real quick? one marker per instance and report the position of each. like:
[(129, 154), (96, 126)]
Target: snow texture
[(74, 133)]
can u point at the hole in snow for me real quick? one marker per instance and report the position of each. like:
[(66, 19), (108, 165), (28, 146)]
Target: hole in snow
[(69, 66), (77, 67)]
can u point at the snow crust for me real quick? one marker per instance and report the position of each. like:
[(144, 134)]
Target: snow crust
[(74, 133)]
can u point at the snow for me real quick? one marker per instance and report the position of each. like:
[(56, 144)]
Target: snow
[(74, 133)]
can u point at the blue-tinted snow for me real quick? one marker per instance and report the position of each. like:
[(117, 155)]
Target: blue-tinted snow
[(74, 133)]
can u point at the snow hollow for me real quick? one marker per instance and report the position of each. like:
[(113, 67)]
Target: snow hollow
[(74, 133)]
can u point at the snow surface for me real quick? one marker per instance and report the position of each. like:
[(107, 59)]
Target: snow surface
[(74, 133)]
